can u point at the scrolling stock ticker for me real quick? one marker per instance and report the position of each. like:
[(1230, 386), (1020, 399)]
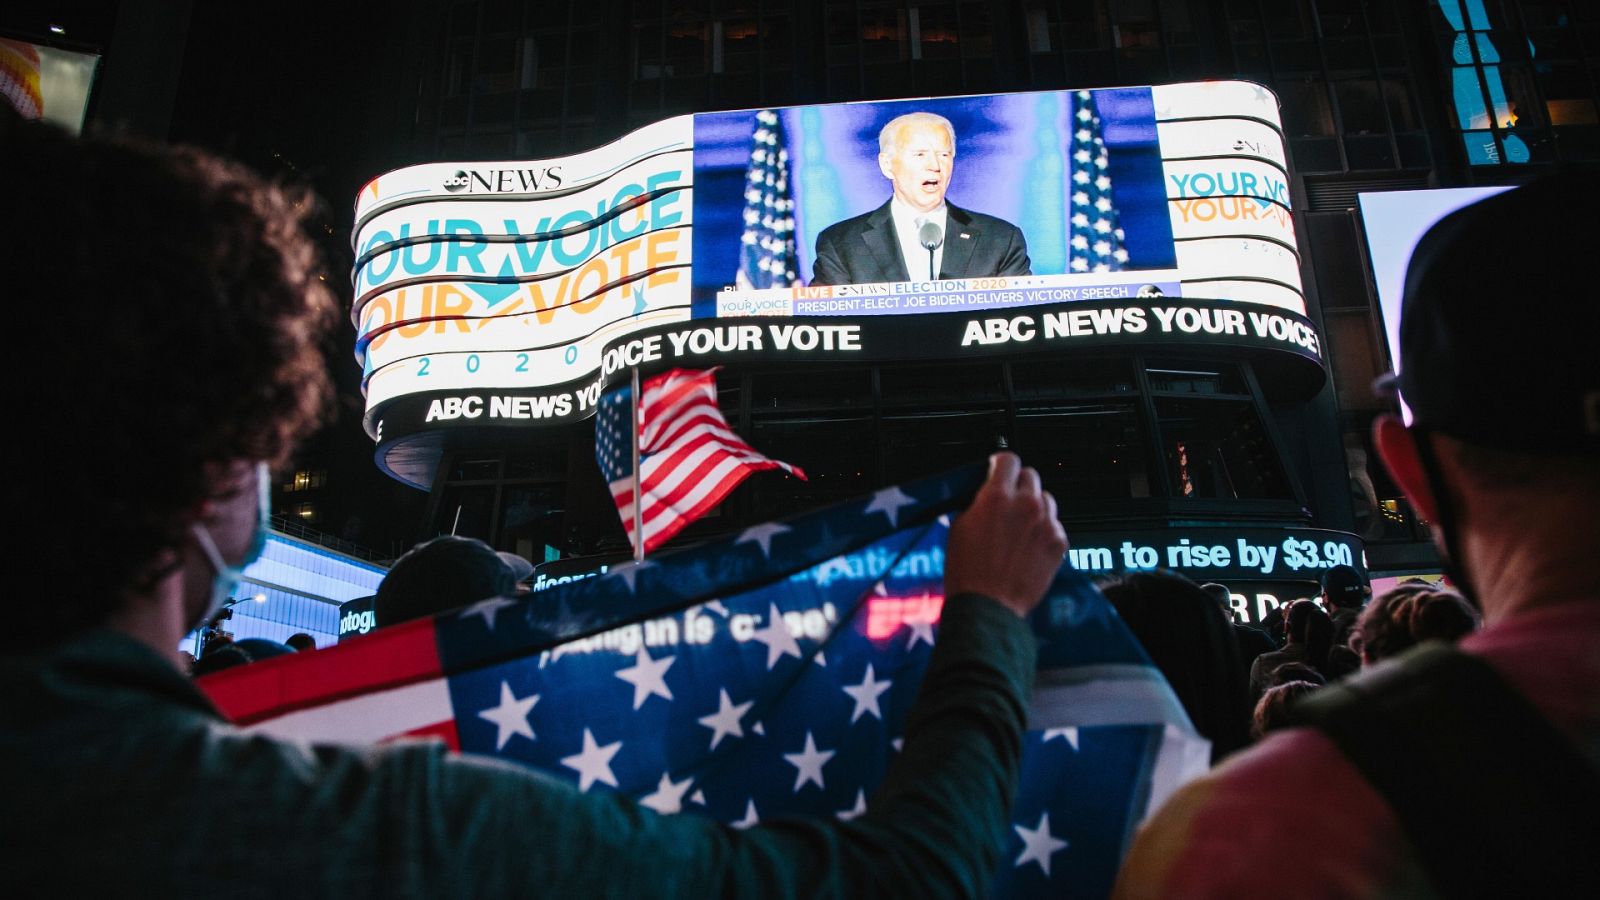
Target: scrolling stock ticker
[(508, 294)]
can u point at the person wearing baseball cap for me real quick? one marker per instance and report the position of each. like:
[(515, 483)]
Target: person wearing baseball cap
[(1344, 593), (1468, 771)]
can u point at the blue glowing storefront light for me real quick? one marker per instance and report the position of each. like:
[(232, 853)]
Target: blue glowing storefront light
[(295, 587)]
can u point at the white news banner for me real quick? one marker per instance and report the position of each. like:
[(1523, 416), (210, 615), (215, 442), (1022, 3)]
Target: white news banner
[(948, 295)]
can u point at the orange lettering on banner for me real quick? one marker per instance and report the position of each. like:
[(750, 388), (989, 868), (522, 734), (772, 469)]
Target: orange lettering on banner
[(598, 268), (416, 329), (661, 249), (544, 306), (441, 306), (380, 311), (1230, 209), (451, 301)]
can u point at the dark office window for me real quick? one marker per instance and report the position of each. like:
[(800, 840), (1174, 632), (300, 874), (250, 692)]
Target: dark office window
[(496, 66), (837, 451), (810, 389), (1095, 450), (942, 383), (466, 468), (467, 511), (1218, 449), (531, 515), (1053, 378), (1305, 106), (927, 442), (1186, 376)]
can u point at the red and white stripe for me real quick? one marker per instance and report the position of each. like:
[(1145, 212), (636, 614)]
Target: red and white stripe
[(692, 459)]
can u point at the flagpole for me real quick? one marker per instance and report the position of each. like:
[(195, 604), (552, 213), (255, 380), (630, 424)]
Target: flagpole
[(638, 482)]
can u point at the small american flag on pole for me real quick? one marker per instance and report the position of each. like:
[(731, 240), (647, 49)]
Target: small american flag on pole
[(689, 456), (767, 257), (1097, 239)]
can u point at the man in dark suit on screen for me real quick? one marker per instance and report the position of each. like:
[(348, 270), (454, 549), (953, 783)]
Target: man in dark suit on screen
[(916, 234)]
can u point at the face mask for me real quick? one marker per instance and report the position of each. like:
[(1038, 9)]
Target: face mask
[(226, 577)]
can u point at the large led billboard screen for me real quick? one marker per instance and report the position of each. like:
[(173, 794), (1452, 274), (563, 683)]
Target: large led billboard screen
[(508, 294), (48, 83), (1394, 222)]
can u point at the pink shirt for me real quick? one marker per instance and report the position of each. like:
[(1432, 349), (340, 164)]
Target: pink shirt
[(1291, 818)]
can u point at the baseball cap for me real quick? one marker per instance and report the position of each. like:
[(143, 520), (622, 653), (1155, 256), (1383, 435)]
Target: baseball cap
[(1499, 316), (1344, 586)]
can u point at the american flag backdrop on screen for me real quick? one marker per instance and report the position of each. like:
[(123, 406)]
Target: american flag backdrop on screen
[(1095, 236), (767, 255), (689, 456), (764, 674)]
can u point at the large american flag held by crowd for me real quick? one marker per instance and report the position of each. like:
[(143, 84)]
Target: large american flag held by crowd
[(761, 675), (689, 456)]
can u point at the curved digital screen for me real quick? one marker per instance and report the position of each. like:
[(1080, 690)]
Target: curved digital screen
[(521, 286)]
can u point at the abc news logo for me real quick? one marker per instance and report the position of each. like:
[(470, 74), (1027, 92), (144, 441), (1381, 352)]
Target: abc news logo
[(504, 181)]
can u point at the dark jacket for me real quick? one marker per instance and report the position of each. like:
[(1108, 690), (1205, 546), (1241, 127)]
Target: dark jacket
[(864, 249)]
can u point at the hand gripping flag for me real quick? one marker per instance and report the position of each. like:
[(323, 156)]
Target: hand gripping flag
[(689, 455), (765, 674)]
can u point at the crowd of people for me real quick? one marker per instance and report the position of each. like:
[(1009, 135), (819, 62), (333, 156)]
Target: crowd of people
[(1358, 751), (1238, 682)]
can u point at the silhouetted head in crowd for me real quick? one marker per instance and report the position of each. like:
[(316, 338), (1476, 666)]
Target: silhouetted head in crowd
[(1191, 641), (1295, 671), (1221, 594), (521, 571), (435, 576), (1272, 710), (1409, 615), (1272, 623), (1307, 625), (221, 280), (238, 653), (301, 642), (1343, 588)]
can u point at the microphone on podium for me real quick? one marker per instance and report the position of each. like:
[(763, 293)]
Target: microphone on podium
[(930, 235)]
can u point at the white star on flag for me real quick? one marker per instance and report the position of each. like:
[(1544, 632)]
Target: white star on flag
[(866, 696), (750, 816), (487, 609), (921, 630), (1070, 735), (776, 636), (845, 815), (648, 676), (1038, 844), (762, 536), (888, 501), (809, 763), (511, 716), (725, 720), (668, 796), (594, 763), (629, 572)]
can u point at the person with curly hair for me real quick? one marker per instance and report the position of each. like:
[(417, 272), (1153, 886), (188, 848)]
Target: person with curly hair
[(178, 305), (1272, 710), (1408, 615)]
